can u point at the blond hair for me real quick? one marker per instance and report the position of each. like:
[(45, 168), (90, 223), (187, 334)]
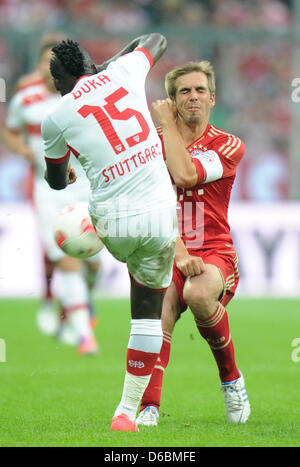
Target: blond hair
[(204, 66)]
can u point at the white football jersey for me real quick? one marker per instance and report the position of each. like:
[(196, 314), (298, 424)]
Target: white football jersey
[(106, 123)]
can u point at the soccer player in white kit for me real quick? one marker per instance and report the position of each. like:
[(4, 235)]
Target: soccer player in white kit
[(103, 118), (23, 136)]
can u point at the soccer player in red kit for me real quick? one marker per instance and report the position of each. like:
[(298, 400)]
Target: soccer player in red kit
[(202, 160)]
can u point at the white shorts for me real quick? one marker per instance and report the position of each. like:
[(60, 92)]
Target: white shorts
[(48, 203), (146, 242)]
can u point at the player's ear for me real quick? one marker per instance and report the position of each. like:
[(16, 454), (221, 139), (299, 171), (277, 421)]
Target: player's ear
[(212, 100), (56, 85), (174, 106)]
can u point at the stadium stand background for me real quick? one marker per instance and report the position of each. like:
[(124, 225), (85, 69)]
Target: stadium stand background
[(249, 43)]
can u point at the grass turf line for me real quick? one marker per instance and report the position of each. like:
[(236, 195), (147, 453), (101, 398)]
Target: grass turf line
[(50, 396)]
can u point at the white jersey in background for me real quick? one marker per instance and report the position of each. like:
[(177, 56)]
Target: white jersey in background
[(25, 113), (106, 123), (26, 110)]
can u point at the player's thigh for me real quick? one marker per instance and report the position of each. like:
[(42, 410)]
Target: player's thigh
[(114, 236), (151, 264), (203, 291)]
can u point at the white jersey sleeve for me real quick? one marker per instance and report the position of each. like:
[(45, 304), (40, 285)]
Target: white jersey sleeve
[(55, 146), (15, 119), (133, 67)]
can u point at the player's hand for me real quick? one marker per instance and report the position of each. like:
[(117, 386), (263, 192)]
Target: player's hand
[(165, 111), (190, 265), (71, 175)]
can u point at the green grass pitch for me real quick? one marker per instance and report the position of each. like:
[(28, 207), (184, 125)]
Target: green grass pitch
[(50, 396)]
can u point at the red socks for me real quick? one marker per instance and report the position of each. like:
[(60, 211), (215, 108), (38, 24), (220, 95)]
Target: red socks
[(140, 363), (215, 330), (152, 395)]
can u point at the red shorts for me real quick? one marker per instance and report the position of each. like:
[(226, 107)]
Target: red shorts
[(226, 261)]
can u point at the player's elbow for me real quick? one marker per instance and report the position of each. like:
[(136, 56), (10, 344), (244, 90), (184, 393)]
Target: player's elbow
[(161, 40), (156, 44), (185, 181), (61, 187), (57, 186)]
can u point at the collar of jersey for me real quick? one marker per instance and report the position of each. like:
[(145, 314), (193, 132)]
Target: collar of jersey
[(81, 77), (200, 137)]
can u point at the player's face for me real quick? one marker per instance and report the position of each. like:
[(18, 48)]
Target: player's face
[(193, 99)]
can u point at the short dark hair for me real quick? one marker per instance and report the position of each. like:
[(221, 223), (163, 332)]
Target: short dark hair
[(71, 60)]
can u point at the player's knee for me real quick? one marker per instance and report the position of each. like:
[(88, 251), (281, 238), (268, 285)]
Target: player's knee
[(197, 298)]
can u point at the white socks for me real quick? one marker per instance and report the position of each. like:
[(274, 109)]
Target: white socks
[(143, 349), (75, 299)]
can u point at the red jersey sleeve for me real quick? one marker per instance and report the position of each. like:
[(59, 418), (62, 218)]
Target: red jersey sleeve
[(217, 158), (230, 149)]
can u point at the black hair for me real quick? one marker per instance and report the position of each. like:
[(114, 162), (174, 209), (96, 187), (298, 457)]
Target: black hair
[(71, 59)]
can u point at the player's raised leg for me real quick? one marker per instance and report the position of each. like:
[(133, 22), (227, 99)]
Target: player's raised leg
[(143, 349)]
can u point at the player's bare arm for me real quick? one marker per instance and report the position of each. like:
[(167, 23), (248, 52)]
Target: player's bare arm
[(178, 159), (60, 175), (187, 264), (15, 140), (155, 43)]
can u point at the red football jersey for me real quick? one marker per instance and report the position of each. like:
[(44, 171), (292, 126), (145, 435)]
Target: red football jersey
[(202, 209)]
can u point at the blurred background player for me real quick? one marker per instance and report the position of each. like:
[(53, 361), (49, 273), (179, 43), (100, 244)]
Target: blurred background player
[(35, 94), (47, 318), (202, 160), (120, 152)]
